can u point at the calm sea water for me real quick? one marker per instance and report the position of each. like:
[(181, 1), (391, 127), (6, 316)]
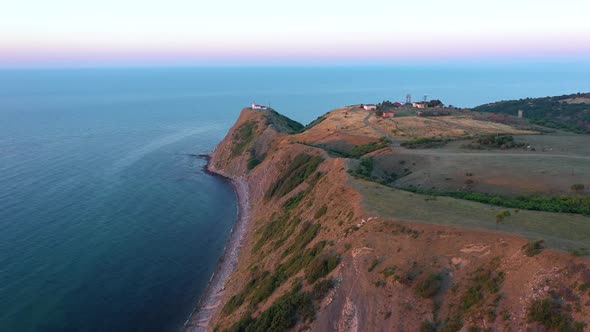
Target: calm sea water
[(108, 224)]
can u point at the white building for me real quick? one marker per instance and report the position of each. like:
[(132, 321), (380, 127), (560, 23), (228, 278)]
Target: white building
[(258, 107), (419, 104), (370, 107)]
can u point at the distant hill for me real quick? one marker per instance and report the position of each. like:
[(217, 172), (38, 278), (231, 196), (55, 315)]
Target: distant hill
[(568, 112)]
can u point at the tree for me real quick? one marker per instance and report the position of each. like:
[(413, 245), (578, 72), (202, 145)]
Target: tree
[(578, 187)]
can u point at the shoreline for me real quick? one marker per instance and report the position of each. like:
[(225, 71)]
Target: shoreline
[(209, 301)]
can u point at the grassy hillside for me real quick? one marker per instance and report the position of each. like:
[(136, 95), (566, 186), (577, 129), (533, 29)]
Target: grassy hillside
[(282, 123), (568, 112)]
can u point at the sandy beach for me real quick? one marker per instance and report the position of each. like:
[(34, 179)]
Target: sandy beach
[(210, 300)]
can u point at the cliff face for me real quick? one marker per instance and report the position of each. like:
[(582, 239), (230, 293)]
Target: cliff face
[(316, 258)]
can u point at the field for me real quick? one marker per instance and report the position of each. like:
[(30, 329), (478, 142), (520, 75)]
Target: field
[(561, 231), (508, 173), (541, 164), (455, 126)]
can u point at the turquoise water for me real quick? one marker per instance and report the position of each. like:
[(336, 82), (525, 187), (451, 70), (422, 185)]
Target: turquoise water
[(108, 224)]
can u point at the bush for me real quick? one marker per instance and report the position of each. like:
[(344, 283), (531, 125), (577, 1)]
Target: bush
[(287, 310), (237, 300), (321, 212), (380, 283), (253, 162), (374, 264), (494, 141), (315, 122), (501, 215), (483, 281), (562, 204), (424, 143), (271, 230), (294, 200), (550, 313), (361, 150), (578, 187), (533, 248), (427, 326), (430, 286), (321, 288), (301, 260), (242, 136), (307, 233), (298, 171), (365, 168), (547, 111), (267, 286), (321, 266), (283, 123)]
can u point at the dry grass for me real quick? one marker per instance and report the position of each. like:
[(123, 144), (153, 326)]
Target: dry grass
[(560, 231)]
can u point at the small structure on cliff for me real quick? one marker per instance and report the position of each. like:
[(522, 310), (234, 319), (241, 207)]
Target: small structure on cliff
[(419, 104), (370, 107), (258, 107)]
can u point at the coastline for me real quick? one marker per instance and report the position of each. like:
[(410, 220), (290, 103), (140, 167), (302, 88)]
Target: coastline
[(208, 304)]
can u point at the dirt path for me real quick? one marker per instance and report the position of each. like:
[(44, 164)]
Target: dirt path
[(395, 144)]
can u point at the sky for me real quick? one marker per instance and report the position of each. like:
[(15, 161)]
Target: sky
[(147, 32)]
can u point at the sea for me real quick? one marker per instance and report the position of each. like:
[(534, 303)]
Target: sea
[(108, 221)]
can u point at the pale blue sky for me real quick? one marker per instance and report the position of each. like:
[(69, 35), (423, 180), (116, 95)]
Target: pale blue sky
[(59, 31)]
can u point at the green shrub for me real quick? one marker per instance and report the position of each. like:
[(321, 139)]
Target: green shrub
[(552, 112), (321, 288), (499, 141), (318, 120), (294, 200), (374, 264), (380, 283), (307, 233), (242, 136), (533, 248), (301, 259), (427, 326), (562, 204), (298, 171), (321, 212), (484, 281), (578, 187), (267, 286), (389, 271), (283, 123), (364, 169), (550, 313), (453, 324), (253, 162), (271, 230), (501, 215), (361, 150), (237, 300), (430, 286), (282, 315), (321, 266), (424, 143)]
